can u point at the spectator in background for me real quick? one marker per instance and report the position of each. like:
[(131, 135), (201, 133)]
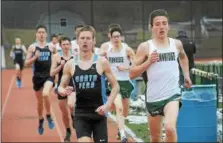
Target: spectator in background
[(54, 42), (58, 48), (54, 39), (189, 48), (74, 45)]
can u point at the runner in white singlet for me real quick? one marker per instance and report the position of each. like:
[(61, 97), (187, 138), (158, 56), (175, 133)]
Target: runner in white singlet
[(119, 55), (74, 45), (158, 57)]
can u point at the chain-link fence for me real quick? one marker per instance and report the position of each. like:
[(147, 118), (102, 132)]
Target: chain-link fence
[(202, 20)]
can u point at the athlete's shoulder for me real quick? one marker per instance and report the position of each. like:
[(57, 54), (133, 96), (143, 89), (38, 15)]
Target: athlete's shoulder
[(72, 60), (144, 44), (70, 63), (105, 46), (57, 55), (143, 48), (32, 47), (177, 42), (69, 67), (104, 64), (33, 44)]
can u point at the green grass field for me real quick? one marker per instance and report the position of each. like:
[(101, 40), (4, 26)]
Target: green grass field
[(141, 130)]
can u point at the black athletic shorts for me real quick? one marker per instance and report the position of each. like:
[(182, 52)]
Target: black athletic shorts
[(85, 126), (51, 79), (20, 63), (39, 81), (63, 97)]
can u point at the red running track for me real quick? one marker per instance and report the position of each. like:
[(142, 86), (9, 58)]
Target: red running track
[(19, 114)]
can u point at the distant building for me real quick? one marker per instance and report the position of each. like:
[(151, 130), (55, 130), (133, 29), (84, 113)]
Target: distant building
[(61, 21)]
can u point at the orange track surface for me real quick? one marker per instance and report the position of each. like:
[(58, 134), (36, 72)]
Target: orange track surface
[(19, 113)]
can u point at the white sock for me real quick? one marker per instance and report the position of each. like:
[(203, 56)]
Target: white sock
[(55, 86), (122, 133)]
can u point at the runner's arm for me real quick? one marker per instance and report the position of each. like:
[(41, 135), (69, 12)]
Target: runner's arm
[(24, 49), (53, 49), (67, 75), (103, 49), (131, 56), (54, 68), (183, 58), (30, 58), (11, 52), (141, 61), (112, 80)]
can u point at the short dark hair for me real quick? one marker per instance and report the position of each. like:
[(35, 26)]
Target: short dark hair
[(87, 28), (54, 36), (115, 29), (78, 26), (64, 38), (41, 26), (155, 13), (113, 25)]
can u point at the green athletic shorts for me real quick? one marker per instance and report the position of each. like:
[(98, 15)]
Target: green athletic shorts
[(126, 88), (156, 108)]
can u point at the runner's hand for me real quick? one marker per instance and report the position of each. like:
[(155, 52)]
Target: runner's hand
[(37, 53), (68, 90), (121, 68), (187, 82), (62, 63), (154, 57), (102, 110)]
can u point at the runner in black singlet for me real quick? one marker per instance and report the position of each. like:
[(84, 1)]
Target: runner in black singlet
[(58, 63), (17, 53), (88, 72), (39, 54)]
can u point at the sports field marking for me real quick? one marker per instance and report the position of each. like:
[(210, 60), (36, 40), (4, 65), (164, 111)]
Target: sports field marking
[(7, 96), (57, 125)]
